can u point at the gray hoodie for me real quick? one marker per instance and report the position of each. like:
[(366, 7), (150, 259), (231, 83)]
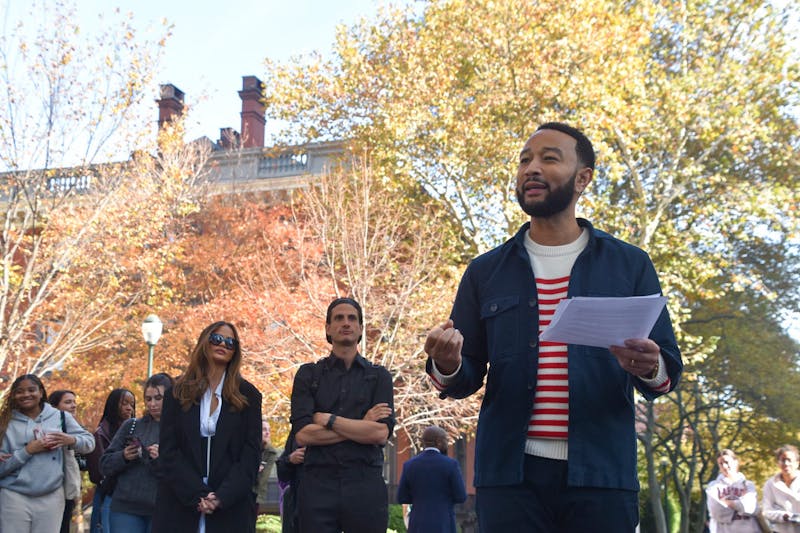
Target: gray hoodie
[(40, 473)]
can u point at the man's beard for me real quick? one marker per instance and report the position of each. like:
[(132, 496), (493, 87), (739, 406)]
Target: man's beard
[(557, 200)]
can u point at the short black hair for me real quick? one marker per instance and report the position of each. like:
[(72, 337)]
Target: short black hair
[(339, 301), (583, 148), (349, 301), (161, 379)]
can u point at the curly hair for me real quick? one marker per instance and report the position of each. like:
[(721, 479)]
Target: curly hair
[(10, 404)]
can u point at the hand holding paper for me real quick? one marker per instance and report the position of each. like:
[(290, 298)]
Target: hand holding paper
[(603, 322)]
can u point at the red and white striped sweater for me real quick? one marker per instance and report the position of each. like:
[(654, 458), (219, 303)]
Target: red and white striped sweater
[(548, 426)]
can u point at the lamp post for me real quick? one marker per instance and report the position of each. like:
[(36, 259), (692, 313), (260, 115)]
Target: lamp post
[(664, 462), (151, 331)]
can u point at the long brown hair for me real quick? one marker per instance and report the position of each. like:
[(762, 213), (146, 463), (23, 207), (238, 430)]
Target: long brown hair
[(11, 404), (189, 387)]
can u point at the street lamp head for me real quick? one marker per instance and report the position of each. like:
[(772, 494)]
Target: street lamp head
[(151, 329)]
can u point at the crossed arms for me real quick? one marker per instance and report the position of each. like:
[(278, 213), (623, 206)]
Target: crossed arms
[(364, 431)]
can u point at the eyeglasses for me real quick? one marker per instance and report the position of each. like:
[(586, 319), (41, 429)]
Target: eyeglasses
[(216, 339)]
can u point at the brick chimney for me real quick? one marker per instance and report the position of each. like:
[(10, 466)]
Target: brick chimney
[(229, 139), (252, 112), (170, 105)]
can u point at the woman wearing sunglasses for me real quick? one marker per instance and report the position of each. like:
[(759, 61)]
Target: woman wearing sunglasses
[(210, 443)]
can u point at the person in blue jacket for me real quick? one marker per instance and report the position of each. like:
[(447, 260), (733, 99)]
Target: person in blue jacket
[(431, 482), (556, 441)]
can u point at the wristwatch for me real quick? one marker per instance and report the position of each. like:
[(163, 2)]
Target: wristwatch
[(331, 419)]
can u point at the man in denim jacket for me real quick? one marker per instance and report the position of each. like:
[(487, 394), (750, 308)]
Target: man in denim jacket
[(556, 442)]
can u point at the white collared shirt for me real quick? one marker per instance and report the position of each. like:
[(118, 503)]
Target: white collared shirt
[(208, 427), (208, 420)]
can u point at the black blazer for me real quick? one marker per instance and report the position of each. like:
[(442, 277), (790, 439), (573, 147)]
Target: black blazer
[(235, 456)]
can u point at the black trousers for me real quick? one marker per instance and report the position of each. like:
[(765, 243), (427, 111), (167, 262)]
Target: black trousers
[(544, 503), (348, 499)]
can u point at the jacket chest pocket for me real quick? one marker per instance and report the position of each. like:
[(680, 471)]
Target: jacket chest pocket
[(365, 394), (501, 319)]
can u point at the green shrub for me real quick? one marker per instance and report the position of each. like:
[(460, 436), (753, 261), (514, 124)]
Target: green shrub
[(268, 523), (396, 518)]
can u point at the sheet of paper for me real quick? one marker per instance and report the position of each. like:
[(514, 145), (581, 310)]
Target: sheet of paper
[(603, 322)]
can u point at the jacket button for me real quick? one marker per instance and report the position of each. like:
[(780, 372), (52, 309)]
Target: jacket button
[(534, 343), (493, 308), (532, 302)]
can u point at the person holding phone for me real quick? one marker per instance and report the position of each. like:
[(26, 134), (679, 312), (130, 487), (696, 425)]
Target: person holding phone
[(120, 406), (32, 436), (132, 457)]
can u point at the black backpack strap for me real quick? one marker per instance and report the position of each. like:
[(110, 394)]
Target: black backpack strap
[(63, 422), (316, 375), (371, 375)]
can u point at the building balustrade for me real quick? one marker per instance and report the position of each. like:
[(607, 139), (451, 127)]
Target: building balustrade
[(283, 164), (61, 184)]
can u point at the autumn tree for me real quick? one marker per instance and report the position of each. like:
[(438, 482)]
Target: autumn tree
[(137, 264), (271, 265), (351, 234), (70, 105), (690, 108)]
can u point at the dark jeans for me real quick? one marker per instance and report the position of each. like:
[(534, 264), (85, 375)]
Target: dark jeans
[(545, 504), (334, 499)]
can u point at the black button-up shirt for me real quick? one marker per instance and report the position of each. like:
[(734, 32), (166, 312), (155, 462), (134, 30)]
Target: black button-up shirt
[(328, 387)]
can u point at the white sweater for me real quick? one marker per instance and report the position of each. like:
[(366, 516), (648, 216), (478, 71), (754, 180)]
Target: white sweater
[(736, 520)]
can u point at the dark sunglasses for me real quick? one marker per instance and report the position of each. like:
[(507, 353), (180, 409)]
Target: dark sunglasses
[(216, 339)]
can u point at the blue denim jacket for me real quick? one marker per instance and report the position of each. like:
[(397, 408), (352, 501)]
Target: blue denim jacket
[(496, 310)]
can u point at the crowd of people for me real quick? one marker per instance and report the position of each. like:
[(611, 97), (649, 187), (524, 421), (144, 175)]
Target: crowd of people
[(542, 448), (732, 499), (195, 472)]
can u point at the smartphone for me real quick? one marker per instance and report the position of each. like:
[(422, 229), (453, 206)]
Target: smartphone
[(133, 439)]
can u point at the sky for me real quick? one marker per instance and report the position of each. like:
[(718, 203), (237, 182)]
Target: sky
[(214, 44)]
